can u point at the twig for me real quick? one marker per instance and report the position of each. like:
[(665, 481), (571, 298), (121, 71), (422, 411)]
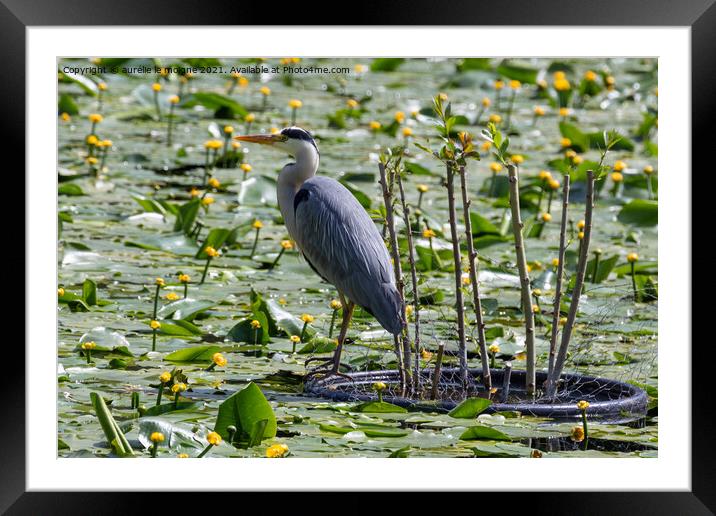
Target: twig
[(560, 274), (524, 278), (459, 303), (477, 304), (553, 379), (414, 281), (436, 374), (390, 223)]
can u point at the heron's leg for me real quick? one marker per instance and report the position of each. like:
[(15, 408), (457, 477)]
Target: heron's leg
[(348, 308)]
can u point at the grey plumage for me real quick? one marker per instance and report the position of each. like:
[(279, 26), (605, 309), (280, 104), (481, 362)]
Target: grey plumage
[(334, 233), (343, 245)]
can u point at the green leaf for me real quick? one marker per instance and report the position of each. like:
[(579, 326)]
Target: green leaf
[(580, 141), (432, 296), (177, 436), (88, 85), (418, 170), (645, 267), (482, 226), (483, 433), (185, 309), (605, 268), (179, 329), (216, 239), (379, 407), (474, 63), (470, 408), (522, 73), (318, 345), (646, 288), (158, 410), (193, 354), (244, 409), (370, 431), (118, 363), (386, 64), (401, 453), (640, 212), (67, 104), (361, 196), (283, 320), (149, 205), (257, 433), (596, 141), (115, 437), (186, 215), (243, 332), (175, 243), (223, 106), (70, 189), (89, 292)]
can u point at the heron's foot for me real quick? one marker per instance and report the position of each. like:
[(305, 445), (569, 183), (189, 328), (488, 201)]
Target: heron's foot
[(326, 369), (327, 373)]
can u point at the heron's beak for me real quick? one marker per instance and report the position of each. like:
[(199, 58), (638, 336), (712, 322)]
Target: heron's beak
[(264, 139)]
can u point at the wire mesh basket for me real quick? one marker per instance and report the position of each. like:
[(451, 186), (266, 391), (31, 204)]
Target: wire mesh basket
[(609, 400)]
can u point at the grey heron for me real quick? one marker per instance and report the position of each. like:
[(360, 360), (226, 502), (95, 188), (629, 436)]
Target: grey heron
[(334, 233)]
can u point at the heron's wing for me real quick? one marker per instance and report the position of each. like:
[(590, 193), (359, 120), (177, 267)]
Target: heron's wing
[(343, 245)]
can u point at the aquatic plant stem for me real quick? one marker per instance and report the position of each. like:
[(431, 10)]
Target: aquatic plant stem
[(303, 334), (597, 255), (156, 106), (256, 241), (413, 281), (154, 340), (539, 199), (400, 344), (477, 304), (433, 253), (170, 124), (521, 259), (160, 392), (280, 254), (156, 302), (457, 260), (549, 201), (206, 269), (553, 379), (205, 451), (633, 280), (556, 311)]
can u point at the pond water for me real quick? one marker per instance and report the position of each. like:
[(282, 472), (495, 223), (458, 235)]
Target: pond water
[(118, 231)]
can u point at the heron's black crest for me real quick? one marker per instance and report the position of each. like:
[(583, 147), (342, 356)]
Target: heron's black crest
[(299, 134)]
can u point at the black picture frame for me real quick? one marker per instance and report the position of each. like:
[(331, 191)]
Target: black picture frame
[(699, 15)]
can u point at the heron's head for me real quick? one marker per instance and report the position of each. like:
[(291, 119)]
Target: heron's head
[(292, 140)]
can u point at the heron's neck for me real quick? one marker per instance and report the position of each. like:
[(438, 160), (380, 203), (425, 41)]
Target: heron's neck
[(290, 180)]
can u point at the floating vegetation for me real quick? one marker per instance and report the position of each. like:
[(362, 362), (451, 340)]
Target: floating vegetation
[(520, 198)]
